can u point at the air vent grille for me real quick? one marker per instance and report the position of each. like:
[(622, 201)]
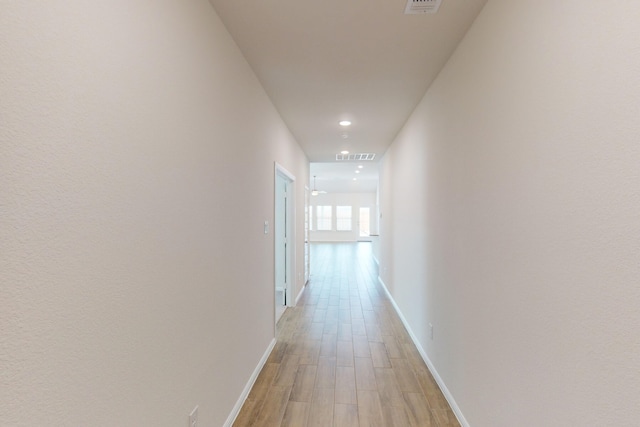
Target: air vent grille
[(355, 157), (416, 7)]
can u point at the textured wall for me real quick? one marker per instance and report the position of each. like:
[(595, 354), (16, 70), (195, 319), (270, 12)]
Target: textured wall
[(136, 171), (513, 197)]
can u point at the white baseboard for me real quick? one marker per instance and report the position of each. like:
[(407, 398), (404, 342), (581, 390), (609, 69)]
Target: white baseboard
[(445, 391), (304, 287), (245, 393)]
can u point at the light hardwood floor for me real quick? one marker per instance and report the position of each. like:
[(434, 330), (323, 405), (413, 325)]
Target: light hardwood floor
[(343, 357)]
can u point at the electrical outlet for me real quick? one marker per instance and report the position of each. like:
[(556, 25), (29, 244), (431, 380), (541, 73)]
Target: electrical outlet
[(266, 227), (431, 330), (193, 418)]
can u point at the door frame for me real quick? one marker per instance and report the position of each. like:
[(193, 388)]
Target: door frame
[(290, 253), (307, 235)]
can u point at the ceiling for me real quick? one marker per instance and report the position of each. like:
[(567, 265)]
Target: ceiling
[(341, 177), (360, 60)]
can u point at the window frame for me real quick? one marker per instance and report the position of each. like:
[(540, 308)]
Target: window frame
[(322, 220), (344, 222)]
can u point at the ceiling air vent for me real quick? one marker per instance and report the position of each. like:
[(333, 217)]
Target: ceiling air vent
[(356, 157), (417, 7)]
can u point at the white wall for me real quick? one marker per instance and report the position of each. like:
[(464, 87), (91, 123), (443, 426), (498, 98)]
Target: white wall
[(511, 216), (137, 155), (356, 200)]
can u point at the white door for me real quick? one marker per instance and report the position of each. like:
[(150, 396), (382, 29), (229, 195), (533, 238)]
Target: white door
[(364, 222)]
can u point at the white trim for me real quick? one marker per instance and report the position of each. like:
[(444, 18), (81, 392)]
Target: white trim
[(335, 241), (304, 288), (245, 393), (285, 172), (306, 259), (445, 391), (291, 225)]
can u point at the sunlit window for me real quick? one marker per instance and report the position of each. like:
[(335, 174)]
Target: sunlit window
[(323, 218), (343, 218)]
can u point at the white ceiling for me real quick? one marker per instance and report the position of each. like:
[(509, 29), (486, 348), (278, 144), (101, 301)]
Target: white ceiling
[(338, 177), (362, 60)]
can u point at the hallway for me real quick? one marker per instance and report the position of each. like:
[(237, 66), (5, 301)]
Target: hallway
[(343, 357)]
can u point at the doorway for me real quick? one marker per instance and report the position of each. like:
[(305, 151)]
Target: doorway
[(284, 239), (364, 222), (307, 227)]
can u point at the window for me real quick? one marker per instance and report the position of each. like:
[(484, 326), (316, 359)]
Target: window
[(323, 218), (343, 218)]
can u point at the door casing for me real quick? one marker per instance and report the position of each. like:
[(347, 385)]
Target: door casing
[(285, 260)]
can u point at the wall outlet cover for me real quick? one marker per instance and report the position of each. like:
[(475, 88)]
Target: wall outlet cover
[(193, 418)]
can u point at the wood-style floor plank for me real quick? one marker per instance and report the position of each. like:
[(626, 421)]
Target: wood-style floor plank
[(346, 416), (365, 375), (296, 414), (321, 413), (274, 406), (369, 409), (249, 413), (379, 355), (406, 376), (326, 375), (419, 413), (395, 416), (361, 346), (388, 387), (343, 356), (329, 344), (346, 385), (263, 383), (344, 353), (304, 383), (394, 351), (287, 371), (344, 332)]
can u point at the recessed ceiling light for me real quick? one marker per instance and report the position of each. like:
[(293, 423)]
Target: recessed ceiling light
[(360, 166), (345, 123), (357, 171), (344, 152), (355, 179)]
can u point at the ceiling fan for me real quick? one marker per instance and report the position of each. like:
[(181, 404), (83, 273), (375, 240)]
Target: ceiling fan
[(315, 192)]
